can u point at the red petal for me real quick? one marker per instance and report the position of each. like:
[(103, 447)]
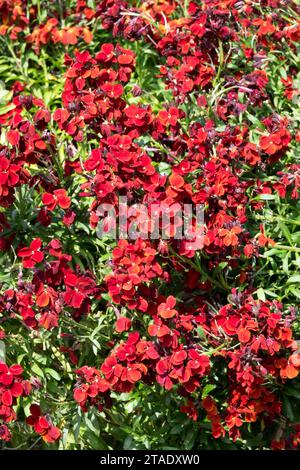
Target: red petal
[(133, 375), (43, 299), (35, 410), (123, 324), (178, 357), (16, 369), (13, 137), (7, 398), (244, 335), (40, 144), (49, 200), (38, 256), (16, 390), (125, 59), (24, 252), (79, 395), (77, 299), (43, 423), (176, 181), (64, 201), (162, 367), (171, 301), (70, 279), (36, 244), (291, 371)]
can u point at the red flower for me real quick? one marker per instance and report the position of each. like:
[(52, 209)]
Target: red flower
[(91, 387), (274, 142), (9, 176), (4, 433), (122, 324), (77, 289), (59, 197), (45, 296), (61, 116), (229, 237), (270, 144), (32, 255), (178, 357), (42, 425), (12, 386), (163, 367), (166, 310), (169, 116), (176, 185), (112, 90), (158, 330), (13, 137)]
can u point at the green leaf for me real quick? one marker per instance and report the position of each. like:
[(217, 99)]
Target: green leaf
[(223, 264), (83, 227), (266, 197), (164, 168), (5, 109), (294, 291), (286, 232), (295, 279), (292, 391), (2, 351), (37, 370), (201, 332), (287, 409), (5, 96), (270, 293), (261, 294), (129, 444), (285, 263), (255, 121), (189, 439), (207, 389), (53, 373)]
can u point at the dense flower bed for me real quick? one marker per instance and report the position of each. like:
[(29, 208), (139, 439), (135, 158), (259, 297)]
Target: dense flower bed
[(139, 341)]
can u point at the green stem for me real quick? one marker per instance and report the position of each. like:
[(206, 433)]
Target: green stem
[(39, 9), (201, 270), (282, 219), (221, 62), (185, 8), (288, 248), (18, 63), (74, 323)]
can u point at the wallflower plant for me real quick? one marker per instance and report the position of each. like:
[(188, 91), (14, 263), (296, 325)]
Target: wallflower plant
[(140, 341)]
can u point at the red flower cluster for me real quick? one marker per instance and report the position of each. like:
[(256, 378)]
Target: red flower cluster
[(54, 287), (135, 266), (51, 32), (12, 173), (42, 425), (33, 254), (58, 198), (91, 388), (92, 89), (253, 339), (13, 17), (184, 310), (214, 417), (12, 386)]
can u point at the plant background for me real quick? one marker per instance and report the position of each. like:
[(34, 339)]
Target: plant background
[(149, 417)]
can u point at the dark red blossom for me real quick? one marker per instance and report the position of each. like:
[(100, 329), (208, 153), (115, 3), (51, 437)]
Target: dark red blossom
[(42, 425), (59, 197), (33, 254)]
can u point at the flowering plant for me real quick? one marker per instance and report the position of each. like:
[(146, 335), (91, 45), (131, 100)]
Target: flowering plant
[(149, 224)]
